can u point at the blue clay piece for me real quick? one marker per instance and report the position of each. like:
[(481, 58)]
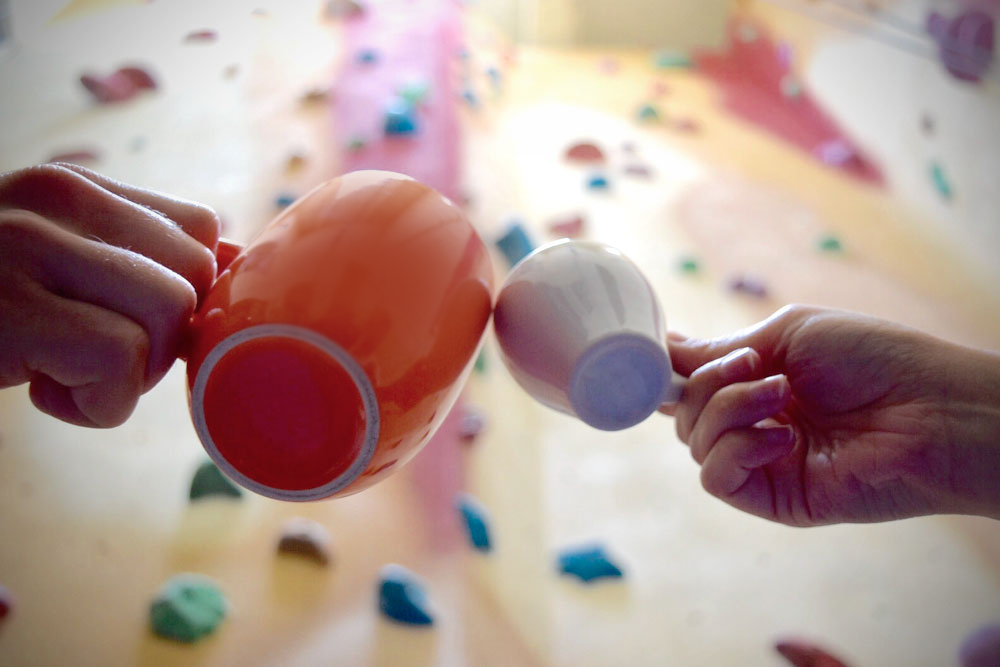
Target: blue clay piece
[(470, 97), (495, 76), (400, 118), (588, 563), (402, 598), (598, 182), (367, 56), (941, 182), (284, 200), (476, 522), (515, 244)]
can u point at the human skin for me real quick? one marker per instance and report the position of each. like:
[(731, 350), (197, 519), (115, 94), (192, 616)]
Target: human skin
[(818, 416), (98, 282)]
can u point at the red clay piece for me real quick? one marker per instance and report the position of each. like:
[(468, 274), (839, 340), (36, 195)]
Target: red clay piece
[(83, 156), (585, 152), (805, 654), (569, 227), (201, 37)]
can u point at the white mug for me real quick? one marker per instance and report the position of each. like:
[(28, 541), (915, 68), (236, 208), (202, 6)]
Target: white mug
[(582, 331)]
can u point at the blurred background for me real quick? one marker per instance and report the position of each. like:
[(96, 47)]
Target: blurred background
[(756, 153)]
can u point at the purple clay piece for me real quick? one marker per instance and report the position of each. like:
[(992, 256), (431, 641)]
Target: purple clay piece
[(786, 54), (981, 648), (639, 171), (966, 43), (569, 227), (471, 424), (749, 285), (836, 152), (201, 37)]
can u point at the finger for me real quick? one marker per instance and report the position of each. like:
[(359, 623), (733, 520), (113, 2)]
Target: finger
[(80, 205), (198, 221), (739, 452), (87, 363), (767, 337), (737, 406), (118, 280), (740, 365)]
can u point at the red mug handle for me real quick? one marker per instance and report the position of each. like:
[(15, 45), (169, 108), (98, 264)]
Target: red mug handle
[(224, 256), (226, 253)]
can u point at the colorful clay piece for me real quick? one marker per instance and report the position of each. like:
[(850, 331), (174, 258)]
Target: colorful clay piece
[(786, 54), (569, 227), (231, 71), (317, 95), (749, 285), (659, 89), (201, 37), (415, 92), (470, 98), (295, 161), (471, 424), (187, 608), (284, 200), (830, 243), (495, 76), (208, 480), (356, 144), (981, 648), (648, 113), (941, 182), (638, 170), (791, 87), (307, 539), (672, 60), (800, 653), (476, 521), (689, 265), (6, 604), (515, 244), (588, 563), (927, 124), (367, 56), (344, 8), (598, 181), (966, 43), (83, 156), (480, 366), (121, 85), (747, 33), (402, 596), (836, 153), (687, 126), (137, 144), (400, 118), (585, 152)]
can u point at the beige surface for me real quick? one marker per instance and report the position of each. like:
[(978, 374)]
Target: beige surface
[(94, 521)]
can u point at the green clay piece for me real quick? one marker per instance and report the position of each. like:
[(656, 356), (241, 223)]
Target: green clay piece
[(414, 92), (209, 481), (689, 265), (480, 366), (187, 608), (356, 144), (672, 60), (830, 244), (941, 182), (647, 112)]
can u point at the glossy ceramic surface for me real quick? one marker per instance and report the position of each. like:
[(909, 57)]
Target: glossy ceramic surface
[(581, 330), (335, 343)]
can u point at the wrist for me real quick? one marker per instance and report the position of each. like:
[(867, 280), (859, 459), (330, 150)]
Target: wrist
[(972, 415)]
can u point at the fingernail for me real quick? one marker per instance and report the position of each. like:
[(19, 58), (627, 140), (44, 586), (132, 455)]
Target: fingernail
[(738, 364), (780, 435), (772, 388), (676, 337)]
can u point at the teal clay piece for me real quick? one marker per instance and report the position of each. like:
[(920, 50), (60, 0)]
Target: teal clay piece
[(830, 244), (208, 480), (188, 608)]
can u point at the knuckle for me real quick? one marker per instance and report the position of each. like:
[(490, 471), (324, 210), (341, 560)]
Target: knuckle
[(37, 178), (124, 348)]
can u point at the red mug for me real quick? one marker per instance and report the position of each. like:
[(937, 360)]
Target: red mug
[(332, 346)]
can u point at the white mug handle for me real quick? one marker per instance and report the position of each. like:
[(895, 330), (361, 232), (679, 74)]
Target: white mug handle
[(676, 388)]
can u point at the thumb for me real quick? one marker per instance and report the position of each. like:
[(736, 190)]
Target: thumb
[(768, 338)]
